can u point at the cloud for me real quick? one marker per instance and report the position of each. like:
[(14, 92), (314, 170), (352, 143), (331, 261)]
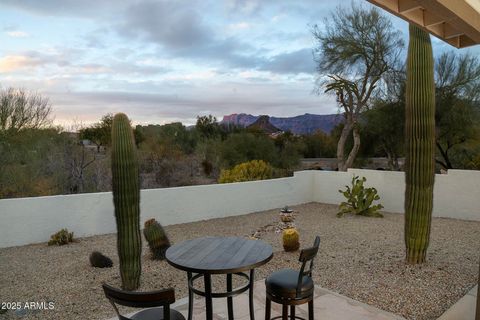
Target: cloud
[(168, 23), (67, 7), (181, 31), (31, 59), (300, 61), (17, 62), (17, 34)]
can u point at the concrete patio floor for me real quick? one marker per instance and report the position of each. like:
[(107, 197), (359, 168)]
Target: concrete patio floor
[(464, 308), (328, 306)]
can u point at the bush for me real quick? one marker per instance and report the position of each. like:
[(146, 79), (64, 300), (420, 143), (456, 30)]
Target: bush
[(247, 171), (360, 199), (60, 238)]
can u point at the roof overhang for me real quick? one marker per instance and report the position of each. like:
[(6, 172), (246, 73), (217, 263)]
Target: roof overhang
[(456, 22)]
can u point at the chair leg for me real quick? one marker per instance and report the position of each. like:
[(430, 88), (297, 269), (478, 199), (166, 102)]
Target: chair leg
[(292, 312), (310, 310), (284, 312), (268, 309)]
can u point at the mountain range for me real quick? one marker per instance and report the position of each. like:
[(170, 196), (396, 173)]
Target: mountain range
[(302, 124)]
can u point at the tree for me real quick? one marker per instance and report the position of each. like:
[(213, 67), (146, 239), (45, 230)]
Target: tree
[(99, 133), (246, 146), (319, 145), (385, 124), (358, 48), (208, 127), (457, 106), (21, 109)]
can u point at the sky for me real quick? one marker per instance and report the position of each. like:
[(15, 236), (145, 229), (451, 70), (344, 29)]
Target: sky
[(162, 61)]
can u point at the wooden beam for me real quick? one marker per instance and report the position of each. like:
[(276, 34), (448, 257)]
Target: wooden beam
[(415, 16), (437, 29), (431, 19), (450, 31), (456, 22), (407, 5)]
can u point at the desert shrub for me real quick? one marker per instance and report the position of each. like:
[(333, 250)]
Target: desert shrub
[(60, 238), (247, 171), (157, 239), (207, 167), (360, 199), (98, 260)]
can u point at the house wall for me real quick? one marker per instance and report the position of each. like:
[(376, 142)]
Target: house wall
[(33, 220)]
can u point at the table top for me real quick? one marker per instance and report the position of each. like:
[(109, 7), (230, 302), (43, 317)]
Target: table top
[(219, 255)]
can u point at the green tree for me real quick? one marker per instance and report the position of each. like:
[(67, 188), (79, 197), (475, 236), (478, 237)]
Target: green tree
[(99, 133), (385, 125), (208, 127), (243, 147), (290, 148), (457, 108), (319, 145), (357, 49)]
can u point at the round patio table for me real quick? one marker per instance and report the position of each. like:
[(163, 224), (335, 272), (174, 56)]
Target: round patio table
[(202, 257)]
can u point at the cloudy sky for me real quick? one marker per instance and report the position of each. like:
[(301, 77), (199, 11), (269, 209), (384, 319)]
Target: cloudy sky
[(163, 61)]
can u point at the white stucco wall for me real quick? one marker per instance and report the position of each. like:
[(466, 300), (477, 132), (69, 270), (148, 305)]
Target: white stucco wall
[(32, 220), (456, 194)]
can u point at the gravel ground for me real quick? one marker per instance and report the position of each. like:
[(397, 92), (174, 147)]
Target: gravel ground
[(362, 258)]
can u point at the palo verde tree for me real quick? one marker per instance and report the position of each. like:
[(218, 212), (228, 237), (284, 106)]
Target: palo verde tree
[(358, 48)]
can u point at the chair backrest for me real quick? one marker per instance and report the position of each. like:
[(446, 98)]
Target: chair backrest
[(307, 255), (159, 298)]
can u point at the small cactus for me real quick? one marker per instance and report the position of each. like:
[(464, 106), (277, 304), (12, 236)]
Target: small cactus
[(291, 239), (61, 238), (98, 260), (286, 209), (157, 239)]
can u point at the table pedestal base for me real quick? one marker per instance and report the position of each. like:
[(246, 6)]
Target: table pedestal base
[(229, 294)]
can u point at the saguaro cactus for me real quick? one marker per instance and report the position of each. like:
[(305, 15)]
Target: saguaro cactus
[(420, 145), (126, 198)]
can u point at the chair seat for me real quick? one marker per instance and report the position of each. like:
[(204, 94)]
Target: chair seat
[(156, 314), (283, 283)]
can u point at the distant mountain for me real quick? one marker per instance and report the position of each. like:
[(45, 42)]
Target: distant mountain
[(303, 124), (263, 124)]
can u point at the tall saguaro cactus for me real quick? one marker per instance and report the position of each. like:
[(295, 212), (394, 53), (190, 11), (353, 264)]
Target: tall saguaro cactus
[(420, 145), (126, 198)]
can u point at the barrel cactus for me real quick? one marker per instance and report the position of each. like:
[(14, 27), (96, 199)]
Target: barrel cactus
[(420, 145), (291, 239), (126, 198), (99, 260), (157, 239)]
